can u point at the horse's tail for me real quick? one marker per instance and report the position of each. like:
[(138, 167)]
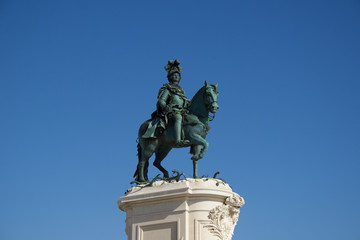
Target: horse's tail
[(139, 157)]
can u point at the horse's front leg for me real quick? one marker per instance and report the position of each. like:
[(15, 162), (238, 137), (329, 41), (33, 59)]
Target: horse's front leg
[(198, 150), (195, 151), (201, 148), (205, 148), (195, 169)]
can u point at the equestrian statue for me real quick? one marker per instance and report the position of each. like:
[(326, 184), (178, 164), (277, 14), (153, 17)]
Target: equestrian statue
[(176, 123)]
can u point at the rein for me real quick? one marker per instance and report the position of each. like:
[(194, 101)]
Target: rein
[(212, 117)]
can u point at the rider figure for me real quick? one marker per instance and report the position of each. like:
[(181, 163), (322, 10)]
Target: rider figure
[(171, 105), (172, 100)]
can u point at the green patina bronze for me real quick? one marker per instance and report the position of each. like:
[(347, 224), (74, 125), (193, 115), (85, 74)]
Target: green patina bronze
[(176, 123)]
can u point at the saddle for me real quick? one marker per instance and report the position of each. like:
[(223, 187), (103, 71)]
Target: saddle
[(158, 124)]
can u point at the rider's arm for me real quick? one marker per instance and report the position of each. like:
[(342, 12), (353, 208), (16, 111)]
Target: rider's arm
[(186, 103), (163, 96)]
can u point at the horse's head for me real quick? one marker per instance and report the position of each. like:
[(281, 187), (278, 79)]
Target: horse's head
[(211, 97)]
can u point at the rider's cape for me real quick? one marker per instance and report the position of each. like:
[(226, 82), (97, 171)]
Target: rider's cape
[(154, 124)]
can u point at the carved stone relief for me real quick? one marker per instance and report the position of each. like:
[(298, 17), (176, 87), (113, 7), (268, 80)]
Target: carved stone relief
[(223, 218)]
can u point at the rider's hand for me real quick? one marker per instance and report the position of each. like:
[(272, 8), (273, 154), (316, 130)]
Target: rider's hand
[(166, 109)]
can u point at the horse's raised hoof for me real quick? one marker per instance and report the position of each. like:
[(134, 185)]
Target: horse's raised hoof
[(195, 157)]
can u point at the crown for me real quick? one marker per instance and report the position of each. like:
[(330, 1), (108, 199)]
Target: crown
[(173, 67)]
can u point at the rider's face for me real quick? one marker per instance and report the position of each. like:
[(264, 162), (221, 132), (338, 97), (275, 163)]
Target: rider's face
[(175, 78)]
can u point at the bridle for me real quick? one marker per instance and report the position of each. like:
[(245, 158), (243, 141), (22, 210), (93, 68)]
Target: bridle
[(209, 104)]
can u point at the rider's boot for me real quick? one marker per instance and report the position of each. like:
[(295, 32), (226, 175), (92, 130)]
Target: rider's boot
[(177, 126)]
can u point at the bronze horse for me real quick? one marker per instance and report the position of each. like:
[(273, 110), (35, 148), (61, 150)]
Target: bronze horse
[(195, 127)]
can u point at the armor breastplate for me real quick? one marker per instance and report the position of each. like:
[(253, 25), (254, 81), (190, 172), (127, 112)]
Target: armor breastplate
[(176, 101)]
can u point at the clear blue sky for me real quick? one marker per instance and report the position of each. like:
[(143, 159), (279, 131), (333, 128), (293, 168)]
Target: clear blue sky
[(77, 78)]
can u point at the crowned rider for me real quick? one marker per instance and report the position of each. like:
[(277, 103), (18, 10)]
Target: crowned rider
[(171, 105)]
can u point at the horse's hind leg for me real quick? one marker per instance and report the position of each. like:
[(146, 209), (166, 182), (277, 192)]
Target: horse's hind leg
[(160, 154), (146, 168), (147, 150)]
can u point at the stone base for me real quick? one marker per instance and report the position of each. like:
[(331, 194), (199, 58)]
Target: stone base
[(191, 209)]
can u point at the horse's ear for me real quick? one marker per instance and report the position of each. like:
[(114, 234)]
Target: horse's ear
[(206, 83), (216, 85)]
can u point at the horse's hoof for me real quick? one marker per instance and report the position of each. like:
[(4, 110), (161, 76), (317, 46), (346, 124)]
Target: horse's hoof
[(141, 181), (195, 157)]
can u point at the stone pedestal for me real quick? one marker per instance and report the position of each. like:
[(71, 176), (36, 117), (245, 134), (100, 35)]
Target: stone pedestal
[(191, 209)]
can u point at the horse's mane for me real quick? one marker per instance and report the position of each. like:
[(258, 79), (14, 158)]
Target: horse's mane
[(201, 90), (197, 94)]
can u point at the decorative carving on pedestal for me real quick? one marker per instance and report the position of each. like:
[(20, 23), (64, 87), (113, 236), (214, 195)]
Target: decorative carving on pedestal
[(224, 217)]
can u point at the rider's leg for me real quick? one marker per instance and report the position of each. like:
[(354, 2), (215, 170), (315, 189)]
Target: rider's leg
[(177, 128)]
